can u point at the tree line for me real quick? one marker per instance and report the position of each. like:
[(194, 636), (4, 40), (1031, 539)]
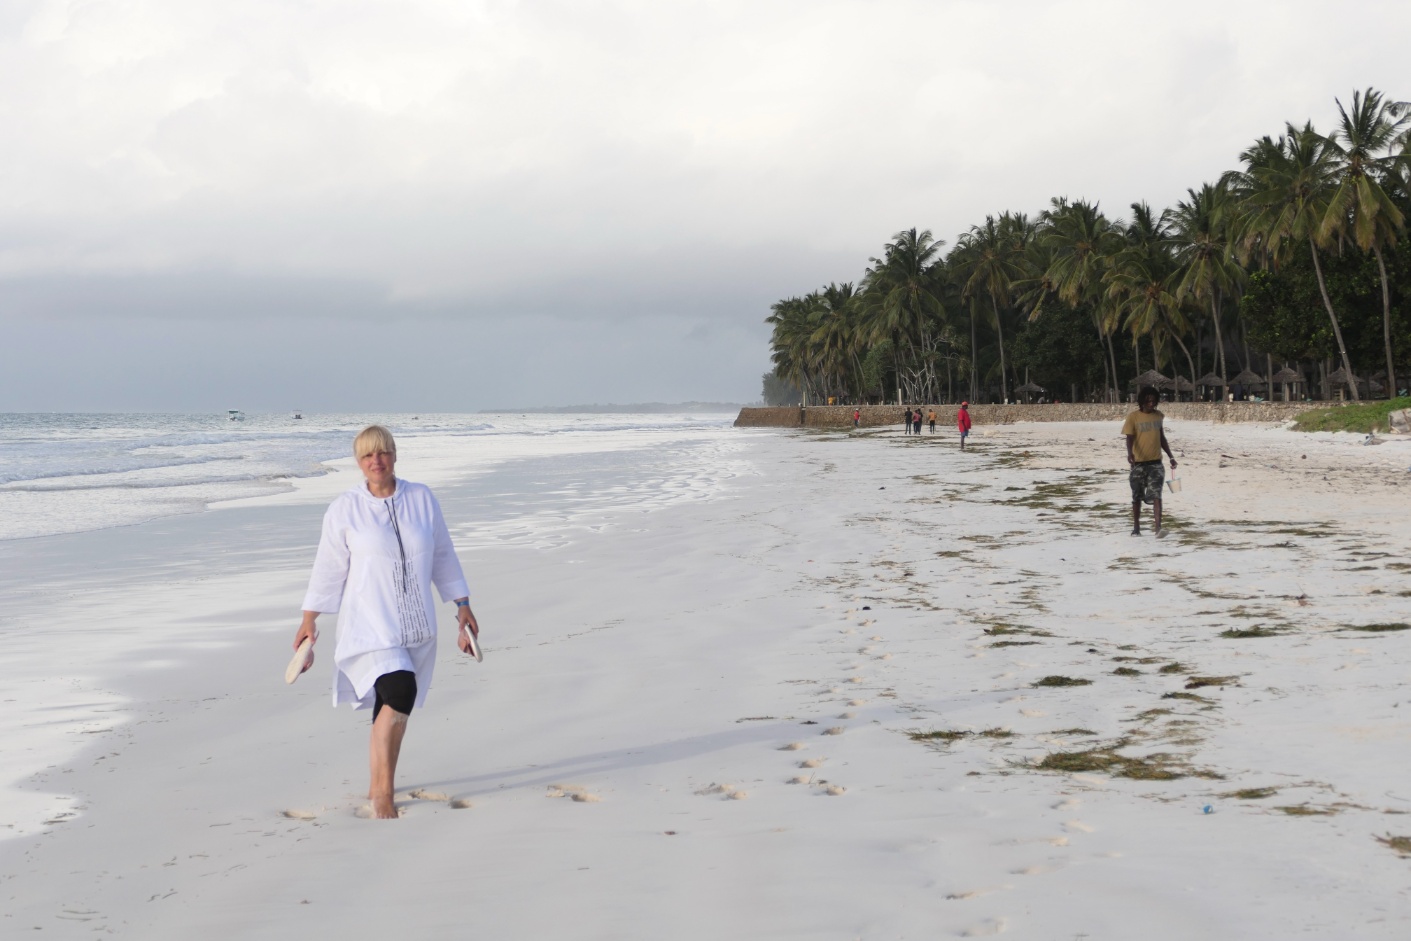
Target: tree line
[(1301, 256)]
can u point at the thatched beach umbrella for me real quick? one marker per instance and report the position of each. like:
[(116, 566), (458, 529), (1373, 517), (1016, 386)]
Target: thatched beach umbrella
[(1210, 380), (1286, 376), (1030, 387), (1339, 377), (1183, 384), (1151, 378), (1248, 378)]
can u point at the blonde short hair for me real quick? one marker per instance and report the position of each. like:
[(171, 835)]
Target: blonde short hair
[(372, 439)]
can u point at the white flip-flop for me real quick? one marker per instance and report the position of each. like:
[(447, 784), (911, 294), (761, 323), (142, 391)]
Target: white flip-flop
[(474, 645), (302, 656)]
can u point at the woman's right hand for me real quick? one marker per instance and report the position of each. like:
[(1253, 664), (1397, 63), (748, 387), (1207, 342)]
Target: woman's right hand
[(306, 630)]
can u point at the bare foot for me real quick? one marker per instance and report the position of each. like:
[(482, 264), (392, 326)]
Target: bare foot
[(383, 808)]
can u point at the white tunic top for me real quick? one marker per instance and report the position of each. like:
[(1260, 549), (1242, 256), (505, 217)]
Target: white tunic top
[(376, 563)]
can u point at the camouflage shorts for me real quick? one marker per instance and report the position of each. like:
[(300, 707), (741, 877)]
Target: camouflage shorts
[(1146, 481)]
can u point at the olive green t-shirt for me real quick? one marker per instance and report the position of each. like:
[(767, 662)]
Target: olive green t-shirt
[(1146, 428)]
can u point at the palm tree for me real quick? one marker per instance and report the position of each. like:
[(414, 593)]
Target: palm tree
[(1143, 282), (1080, 241), (902, 292), (1283, 193), (1199, 235), (989, 259), (1362, 156)]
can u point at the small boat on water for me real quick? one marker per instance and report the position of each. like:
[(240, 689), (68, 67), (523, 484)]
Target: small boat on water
[(235, 414), (298, 414)]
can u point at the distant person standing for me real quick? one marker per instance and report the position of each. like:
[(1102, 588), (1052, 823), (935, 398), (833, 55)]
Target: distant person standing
[(932, 416), (962, 423), (916, 421), (1146, 439), (906, 422), (856, 418)]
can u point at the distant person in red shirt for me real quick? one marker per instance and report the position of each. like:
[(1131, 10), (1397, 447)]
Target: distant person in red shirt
[(962, 422), (856, 417)]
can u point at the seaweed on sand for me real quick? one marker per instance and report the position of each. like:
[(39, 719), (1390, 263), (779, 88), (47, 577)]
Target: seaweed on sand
[(1056, 680)]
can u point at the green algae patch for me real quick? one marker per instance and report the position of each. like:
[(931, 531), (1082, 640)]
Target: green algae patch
[(1055, 680)]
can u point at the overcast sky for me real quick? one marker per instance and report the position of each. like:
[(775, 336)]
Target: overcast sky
[(453, 205)]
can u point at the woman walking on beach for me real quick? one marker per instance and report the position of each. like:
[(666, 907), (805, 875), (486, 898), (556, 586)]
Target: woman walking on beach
[(384, 545)]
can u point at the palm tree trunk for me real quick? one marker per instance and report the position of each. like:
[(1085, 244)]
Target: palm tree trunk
[(1386, 323), (999, 331), (1116, 385), (974, 362), (1219, 342), (1337, 329), (1189, 365)]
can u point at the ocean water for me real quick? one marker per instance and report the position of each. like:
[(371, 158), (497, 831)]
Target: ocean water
[(68, 473)]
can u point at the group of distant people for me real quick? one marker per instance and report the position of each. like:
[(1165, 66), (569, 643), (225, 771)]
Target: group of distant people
[(913, 417)]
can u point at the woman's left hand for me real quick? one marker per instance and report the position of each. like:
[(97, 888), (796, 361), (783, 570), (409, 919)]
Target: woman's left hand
[(465, 621)]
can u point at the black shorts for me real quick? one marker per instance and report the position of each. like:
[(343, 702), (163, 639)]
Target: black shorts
[(397, 690)]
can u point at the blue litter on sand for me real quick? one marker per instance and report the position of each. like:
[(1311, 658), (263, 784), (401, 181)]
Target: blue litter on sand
[(1207, 809)]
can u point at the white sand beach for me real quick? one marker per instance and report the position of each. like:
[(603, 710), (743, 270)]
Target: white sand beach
[(702, 681)]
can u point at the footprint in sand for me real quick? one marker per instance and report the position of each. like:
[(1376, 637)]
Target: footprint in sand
[(811, 762), (845, 715), (1033, 870), (1032, 713), (986, 929), (885, 656), (1077, 826), (573, 791), (835, 730), (792, 746), (976, 893), (801, 779), (1068, 803), (298, 814), (857, 702), (875, 637), (1058, 840), (835, 790), (460, 803), (855, 679), (422, 794), (727, 791), (865, 650)]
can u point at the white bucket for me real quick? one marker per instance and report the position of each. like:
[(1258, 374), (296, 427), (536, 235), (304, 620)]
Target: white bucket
[(1174, 483)]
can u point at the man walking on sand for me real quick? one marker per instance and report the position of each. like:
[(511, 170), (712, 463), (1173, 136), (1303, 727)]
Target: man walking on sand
[(856, 418), (1145, 441), (962, 422), (931, 415)]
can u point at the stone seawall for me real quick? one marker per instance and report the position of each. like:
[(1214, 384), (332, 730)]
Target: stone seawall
[(840, 416)]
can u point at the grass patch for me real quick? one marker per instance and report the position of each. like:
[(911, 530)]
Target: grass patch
[(1196, 682), (1174, 667), (1402, 844), (1073, 732), (1056, 680), (940, 735), (1251, 793), (1362, 417), (1307, 810), (1239, 633), (1158, 767), (1189, 696), (1014, 643), (1126, 671), (1150, 714), (1000, 629), (950, 735), (1378, 628)]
